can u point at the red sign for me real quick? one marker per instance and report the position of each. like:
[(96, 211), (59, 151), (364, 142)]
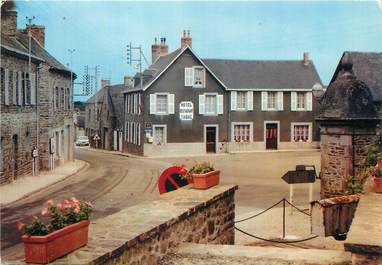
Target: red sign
[(171, 179)]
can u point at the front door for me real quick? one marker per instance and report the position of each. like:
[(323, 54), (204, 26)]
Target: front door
[(271, 136), (211, 139)]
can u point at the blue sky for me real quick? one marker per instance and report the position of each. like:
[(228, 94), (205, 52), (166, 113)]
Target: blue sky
[(273, 30)]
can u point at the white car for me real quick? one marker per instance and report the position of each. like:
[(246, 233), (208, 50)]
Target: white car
[(82, 141)]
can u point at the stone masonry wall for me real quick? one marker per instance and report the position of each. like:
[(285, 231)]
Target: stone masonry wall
[(143, 234), (16, 122)]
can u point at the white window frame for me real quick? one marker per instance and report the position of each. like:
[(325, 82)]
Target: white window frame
[(245, 100), (164, 126), (310, 131), (156, 103), (305, 101), (203, 85), (267, 103), (216, 105), (233, 124)]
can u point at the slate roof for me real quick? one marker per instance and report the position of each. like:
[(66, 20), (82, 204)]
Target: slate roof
[(20, 42), (99, 96), (244, 74), (116, 97), (264, 74), (367, 67)]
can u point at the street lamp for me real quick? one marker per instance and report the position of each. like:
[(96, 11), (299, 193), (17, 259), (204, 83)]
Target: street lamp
[(318, 91), (71, 51)]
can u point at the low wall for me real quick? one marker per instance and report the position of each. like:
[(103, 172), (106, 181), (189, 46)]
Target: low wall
[(142, 234)]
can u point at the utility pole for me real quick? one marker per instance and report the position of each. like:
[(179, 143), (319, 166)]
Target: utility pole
[(36, 148), (130, 58), (71, 51)]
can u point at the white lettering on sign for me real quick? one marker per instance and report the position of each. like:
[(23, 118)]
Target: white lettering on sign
[(186, 110)]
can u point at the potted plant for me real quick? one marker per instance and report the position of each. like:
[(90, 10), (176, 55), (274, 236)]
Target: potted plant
[(378, 180), (203, 175), (66, 231)]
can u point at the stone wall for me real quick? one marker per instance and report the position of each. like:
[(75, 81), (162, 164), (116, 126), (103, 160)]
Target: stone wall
[(143, 234), (342, 149), (16, 121)]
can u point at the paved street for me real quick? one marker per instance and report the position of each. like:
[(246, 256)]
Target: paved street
[(114, 182)]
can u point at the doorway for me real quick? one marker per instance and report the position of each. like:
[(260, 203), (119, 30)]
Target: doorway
[(15, 140), (211, 138), (271, 135)]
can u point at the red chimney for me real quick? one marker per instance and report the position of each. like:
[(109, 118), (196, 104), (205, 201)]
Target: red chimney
[(186, 39), (158, 49), (306, 58), (38, 33)]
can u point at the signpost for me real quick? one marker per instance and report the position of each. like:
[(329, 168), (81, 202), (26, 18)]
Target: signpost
[(172, 179), (34, 165), (299, 176)]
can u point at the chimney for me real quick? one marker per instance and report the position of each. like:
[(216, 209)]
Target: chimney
[(38, 33), (158, 49), (154, 51), (128, 81), (186, 39), (163, 47), (105, 82), (306, 58), (8, 18)]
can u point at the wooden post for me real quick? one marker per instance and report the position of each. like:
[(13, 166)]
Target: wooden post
[(310, 192), (291, 198)]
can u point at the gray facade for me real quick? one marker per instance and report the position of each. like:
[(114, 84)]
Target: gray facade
[(242, 121)]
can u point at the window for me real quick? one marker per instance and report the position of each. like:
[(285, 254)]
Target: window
[(210, 104), (194, 76), (159, 134), (62, 98), (2, 86), (242, 132), (300, 100), (56, 98), (241, 100), (198, 77), (161, 104), (27, 145), (69, 100), (301, 132), (271, 101)]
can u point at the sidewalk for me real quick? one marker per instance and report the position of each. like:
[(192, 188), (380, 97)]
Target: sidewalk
[(24, 186)]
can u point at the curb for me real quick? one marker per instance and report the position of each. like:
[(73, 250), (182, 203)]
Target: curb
[(83, 167)]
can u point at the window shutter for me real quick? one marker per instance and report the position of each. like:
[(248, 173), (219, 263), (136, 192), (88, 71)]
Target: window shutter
[(220, 105), (153, 103), (309, 101), (14, 88), (33, 89), (171, 105), (250, 100), (19, 89), (6, 87), (139, 134), (25, 88), (280, 103), (139, 103), (233, 100), (125, 131), (201, 104), (188, 76), (293, 101), (115, 138), (264, 99)]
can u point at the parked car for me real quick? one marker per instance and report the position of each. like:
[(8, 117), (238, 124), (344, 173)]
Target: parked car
[(82, 141)]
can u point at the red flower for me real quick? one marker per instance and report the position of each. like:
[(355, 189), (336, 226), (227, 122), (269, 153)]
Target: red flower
[(20, 226)]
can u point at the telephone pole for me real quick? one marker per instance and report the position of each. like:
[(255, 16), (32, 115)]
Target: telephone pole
[(71, 51), (34, 152)]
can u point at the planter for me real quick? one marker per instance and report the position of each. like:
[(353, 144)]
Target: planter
[(207, 180), (378, 185), (44, 249)]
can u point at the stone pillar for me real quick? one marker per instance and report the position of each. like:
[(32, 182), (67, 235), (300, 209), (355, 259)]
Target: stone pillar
[(343, 145), (348, 121)]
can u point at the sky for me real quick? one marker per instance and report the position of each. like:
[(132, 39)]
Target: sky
[(249, 30)]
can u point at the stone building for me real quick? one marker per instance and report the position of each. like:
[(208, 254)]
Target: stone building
[(39, 101), (104, 117), (183, 104), (348, 120)]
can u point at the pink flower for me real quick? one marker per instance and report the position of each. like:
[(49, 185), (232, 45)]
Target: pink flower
[(88, 203), (76, 209), (44, 211), (49, 203), (20, 226), (74, 200)]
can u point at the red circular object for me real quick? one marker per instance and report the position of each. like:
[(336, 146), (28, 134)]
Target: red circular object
[(171, 179)]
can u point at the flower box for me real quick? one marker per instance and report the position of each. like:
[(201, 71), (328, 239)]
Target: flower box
[(206, 180), (378, 184), (44, 249)]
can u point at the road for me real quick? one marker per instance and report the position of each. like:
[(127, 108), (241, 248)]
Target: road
[(114, 182)]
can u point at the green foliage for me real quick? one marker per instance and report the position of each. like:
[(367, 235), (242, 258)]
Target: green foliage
[(37, 228), (200, 168), (373, 154), (354, 184)]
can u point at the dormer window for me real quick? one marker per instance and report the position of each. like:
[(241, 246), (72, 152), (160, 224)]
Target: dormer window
[(194, 76)]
